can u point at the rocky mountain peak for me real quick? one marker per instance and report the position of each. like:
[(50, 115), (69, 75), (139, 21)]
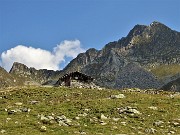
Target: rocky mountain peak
[(155, 28), (127, 62), (149, 46), (18, 67), (137, 30), (157, 24)]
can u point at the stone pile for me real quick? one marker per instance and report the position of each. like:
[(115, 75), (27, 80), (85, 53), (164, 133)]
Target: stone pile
[(117, 96), (78, 84), (128, 110), (61, 120)]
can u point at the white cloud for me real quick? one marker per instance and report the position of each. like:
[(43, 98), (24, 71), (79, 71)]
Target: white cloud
[(39, 58)]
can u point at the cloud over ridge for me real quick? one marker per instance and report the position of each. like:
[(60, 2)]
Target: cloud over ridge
[(39, 58)]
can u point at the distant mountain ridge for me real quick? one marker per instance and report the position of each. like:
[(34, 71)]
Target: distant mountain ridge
[(145, 47), (31, 74)]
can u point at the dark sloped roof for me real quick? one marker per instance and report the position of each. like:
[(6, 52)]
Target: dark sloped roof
[(76, 76)]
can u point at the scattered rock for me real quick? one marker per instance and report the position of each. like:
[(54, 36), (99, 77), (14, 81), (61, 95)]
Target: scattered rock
[(3, 131), (34, 102), (87, 110), (77, 118), (18, 103), (103, 123), (123, 123), (140, 133), (172, 132), (80, 132), (16, 122), (50, 117), (25, 109), (79, 84), (68, 100), (150, 131), (103, 117), (44, 119), (13, 111), (115, 119), (132, 110), (43, 129), (8, 119), (83, 133), (115, 127), (63, 121), (82, 115), (117, 96), (175, 122), (153, 108), (121, 134), (16, 110), (128, 110), (158, 123)]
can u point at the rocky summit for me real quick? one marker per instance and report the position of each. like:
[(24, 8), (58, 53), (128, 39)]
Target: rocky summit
[(148, 47), (136, 60)]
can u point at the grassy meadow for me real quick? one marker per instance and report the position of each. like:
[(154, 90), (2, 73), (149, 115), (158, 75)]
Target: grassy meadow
[(42, 111)]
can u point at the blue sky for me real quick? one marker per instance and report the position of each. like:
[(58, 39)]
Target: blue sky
[(46, 24)]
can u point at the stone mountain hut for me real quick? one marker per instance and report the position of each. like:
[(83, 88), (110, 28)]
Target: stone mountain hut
[(66, 79)]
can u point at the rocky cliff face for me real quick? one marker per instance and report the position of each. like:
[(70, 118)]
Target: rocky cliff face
[(134, 76), (154, 45), (147, 46), (124, 63), (81, 60)]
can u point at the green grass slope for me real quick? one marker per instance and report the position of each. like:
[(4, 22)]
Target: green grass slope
[(61, 111), (163, 71)]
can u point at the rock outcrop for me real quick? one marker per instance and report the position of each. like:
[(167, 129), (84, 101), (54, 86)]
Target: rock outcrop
[(81, 61), (134, 76), (32, 75), (148, 46)]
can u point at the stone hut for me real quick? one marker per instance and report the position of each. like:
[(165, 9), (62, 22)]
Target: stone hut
[(67, 79)]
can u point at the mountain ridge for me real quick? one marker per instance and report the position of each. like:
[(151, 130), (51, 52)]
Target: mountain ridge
[(147, 47)]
